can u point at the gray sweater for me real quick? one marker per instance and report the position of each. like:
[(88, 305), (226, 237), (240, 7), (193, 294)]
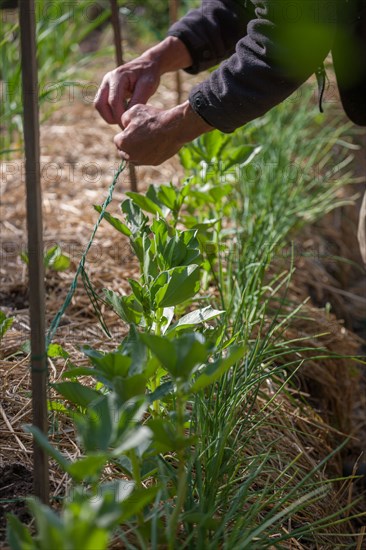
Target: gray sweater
[(266, 50)]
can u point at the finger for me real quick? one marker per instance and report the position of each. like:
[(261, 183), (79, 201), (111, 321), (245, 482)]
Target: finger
[(119, 92), (137, 111), (144, 89), (101, 103), (124, 156), (119, 141)]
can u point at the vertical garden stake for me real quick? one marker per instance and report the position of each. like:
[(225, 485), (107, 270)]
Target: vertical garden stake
[(120, 61), (35, 244)]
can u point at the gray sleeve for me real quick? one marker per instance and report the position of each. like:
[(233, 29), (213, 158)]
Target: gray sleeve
[(282, 45), (211, 32)]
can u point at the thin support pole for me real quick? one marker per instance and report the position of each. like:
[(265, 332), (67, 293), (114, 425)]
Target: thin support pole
[(35, 243), (119, 60)]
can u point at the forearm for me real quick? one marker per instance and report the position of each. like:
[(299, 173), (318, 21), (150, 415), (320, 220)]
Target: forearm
[(274, 58), (170, 54)]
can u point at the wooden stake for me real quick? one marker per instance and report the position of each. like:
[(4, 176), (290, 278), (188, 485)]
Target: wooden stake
[(119, 60), (35, 242)]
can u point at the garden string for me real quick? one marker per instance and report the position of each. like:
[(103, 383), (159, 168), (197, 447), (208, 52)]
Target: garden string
[(81, 270)]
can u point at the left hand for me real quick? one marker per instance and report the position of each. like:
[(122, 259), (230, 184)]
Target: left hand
[(150, 136)]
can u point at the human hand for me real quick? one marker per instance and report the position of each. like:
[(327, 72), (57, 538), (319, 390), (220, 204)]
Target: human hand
[(151, 135), (135, 81)]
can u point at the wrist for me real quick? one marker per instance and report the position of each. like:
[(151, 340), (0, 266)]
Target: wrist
[(190, 124), (169, 55)]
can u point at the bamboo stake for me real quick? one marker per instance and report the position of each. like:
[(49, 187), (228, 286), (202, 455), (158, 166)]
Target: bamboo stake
[(119, 60), (35, 244), (173, 16)]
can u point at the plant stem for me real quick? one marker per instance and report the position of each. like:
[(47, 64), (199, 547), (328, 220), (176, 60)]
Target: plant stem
[(182, 476), (137, 479)]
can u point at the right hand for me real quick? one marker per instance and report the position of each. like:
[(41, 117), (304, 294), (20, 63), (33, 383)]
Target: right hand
[(130, 84)]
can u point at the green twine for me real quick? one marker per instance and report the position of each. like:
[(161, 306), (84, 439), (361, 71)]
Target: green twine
[(81, 270)]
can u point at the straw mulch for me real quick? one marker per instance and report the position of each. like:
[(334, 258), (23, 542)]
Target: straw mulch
[(78, 160)]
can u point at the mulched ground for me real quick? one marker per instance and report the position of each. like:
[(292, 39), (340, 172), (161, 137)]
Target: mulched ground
[(78, 160), (16, 483)]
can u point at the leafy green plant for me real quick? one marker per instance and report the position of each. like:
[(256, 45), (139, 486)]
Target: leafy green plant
[(178, 411), (53, 259)]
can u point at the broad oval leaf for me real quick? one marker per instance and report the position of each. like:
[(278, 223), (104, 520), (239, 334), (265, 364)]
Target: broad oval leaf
[(77, 393), (115, 222), (145, 203), (196, 317), (183, 283)]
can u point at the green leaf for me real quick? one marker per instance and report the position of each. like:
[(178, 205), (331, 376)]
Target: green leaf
[(175, 252), (126, 307), (163, 348), (161, 391), (56, 350), (77, 393), (200, 226), (24, 257), (196, 317), (182, 284), (137, 501), (50, 529), (160, 229), (74, 372), (242, 155), (54, 259), (133, 439), (191, 351), (95, 426), (215, 370), (136, 219), (111, 364), (218, 192), (145, 203), (137, 289), (153, 194), (5, 323), (133, 348), (159, 283), (50, 255), (130, 387), (88, 467), (18, 536), (114, 222), (186, 158), (60, 263), (165, 436), (168, 195), (212, 143), (43, 442)]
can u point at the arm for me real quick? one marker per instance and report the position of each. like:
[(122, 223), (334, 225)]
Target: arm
[(138, 80), (199, 40), (285, 43), (278, 50), (211, 32)]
